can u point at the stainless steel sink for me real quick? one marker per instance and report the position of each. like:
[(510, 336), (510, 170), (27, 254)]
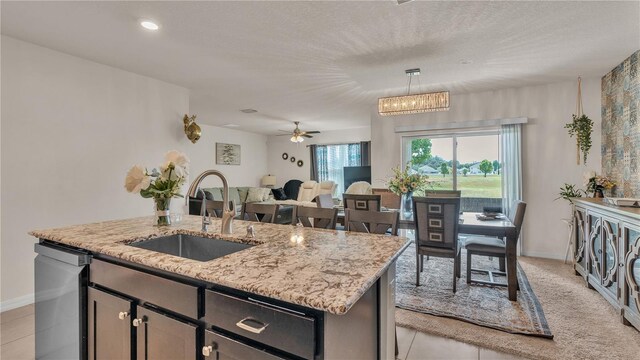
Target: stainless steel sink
[(191, 247)]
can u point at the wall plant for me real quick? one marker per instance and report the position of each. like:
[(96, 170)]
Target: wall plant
[(581, 127)]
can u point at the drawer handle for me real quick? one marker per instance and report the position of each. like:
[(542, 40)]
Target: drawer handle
[(122, 315), (207, 350), (242, 324), (137, 322)]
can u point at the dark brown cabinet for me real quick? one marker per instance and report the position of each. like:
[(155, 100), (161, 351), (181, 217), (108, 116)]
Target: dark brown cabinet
[(109, 332), (220, 347), (607, 254), (161, 337)]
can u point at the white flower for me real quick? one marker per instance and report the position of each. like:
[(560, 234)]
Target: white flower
[(136, 180), (178, 159)]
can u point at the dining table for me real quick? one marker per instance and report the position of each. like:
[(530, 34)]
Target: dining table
[(500, 227)]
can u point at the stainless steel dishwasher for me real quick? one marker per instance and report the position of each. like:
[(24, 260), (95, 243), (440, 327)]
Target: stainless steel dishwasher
[(60, 301)]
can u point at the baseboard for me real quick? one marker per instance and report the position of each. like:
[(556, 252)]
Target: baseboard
[(16, 302), (553, 256)]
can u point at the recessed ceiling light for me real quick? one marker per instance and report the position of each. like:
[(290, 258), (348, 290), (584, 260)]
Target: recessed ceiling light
[(231, 125), (149, 25), (249, 111)]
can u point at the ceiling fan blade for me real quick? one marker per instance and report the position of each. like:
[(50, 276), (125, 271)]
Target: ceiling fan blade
[(307, 136), (312, 132), (283, 134)]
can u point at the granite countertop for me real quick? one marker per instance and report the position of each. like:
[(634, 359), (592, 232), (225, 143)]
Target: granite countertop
[(327, 270)]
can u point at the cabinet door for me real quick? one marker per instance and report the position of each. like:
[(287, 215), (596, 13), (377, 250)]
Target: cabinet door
[(161, 337), (595, 247), (580, 241), (220, 347), (609, 258), (631, 289), (109, 326)]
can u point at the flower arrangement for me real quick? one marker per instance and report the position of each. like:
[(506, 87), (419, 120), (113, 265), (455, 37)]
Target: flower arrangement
[(597, 183), (402, 182), (161, 184)]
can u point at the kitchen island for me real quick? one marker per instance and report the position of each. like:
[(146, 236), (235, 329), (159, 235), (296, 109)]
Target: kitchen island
[(287, 293)]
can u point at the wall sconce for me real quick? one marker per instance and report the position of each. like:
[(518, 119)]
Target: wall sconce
[(191, 129)]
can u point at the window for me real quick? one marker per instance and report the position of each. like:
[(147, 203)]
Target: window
[(333, 158), (469, 162)]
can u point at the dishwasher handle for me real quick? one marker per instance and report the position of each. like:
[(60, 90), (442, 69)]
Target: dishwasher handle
[(68, 256)]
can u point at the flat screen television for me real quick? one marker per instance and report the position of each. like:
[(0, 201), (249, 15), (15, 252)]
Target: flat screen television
[(356, 173)]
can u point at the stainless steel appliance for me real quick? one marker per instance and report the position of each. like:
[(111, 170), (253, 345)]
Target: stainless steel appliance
[(60, 301)]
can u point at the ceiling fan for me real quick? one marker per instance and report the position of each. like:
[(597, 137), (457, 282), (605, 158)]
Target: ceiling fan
[(297, 136)]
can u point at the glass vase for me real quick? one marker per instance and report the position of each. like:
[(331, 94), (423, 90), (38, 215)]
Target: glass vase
[(162, 211), (598, 193), (406, 206)]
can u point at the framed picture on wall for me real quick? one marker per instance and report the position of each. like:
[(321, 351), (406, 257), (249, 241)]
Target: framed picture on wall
[(227, 154)]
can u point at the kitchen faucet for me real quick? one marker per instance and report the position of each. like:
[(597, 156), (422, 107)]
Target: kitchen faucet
[(227, 214)]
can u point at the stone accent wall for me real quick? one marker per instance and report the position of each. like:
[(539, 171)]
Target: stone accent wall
[(621, 126)]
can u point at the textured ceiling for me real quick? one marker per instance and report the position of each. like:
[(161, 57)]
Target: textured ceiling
[(325, 63)]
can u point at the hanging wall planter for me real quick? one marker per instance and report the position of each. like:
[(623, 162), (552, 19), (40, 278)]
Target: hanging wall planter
[(581, 127)]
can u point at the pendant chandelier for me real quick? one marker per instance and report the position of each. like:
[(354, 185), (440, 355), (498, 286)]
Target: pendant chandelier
[(413, 104)]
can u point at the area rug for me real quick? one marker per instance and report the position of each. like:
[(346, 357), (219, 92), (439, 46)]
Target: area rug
[(584, 325), (487, 306)]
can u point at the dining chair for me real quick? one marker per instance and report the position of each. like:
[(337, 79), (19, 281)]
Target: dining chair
[(493, 247), (361, 202), (372, 222), (443, 193), (324, 201), (436, 220), (319, 218), (214, 207), (265, 213)]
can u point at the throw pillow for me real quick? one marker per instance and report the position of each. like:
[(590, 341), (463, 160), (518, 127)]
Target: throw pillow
[(255, 195), (279, 194), (266, 194)]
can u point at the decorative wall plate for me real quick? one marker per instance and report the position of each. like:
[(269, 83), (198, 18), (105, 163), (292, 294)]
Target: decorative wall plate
[(292, 159), (300, 163), (285, 156)]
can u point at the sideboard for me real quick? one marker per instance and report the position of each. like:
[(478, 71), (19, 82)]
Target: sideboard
[(607, 253)]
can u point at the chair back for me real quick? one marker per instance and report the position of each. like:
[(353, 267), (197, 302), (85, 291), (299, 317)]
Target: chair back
[(320, 218), (387, 198), (324, 201), (327, 187), (308, 191), (372, 222), (361, 202), (436, 220), (214, 207), (359, 187), (443, 193), (265, 213), (516, 215)]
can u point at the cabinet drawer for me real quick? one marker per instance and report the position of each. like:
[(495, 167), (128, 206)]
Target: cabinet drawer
[(290, 332), (171, 295), (220, 347)]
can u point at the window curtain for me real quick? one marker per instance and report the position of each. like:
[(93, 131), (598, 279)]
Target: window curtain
[(365, 153), (328, 161), (511, 159), (313, 149)]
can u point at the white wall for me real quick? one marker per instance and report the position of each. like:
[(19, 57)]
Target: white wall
[(253, 155), (549, 154), (71, 129), (285, 170)]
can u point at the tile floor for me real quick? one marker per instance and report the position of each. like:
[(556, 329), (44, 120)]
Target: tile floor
[(17, 337)]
